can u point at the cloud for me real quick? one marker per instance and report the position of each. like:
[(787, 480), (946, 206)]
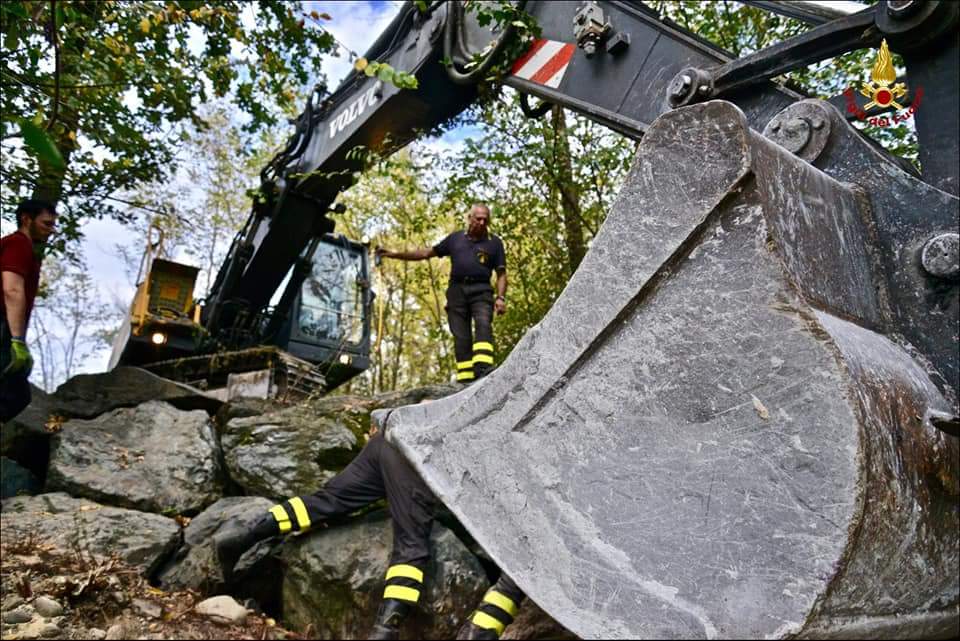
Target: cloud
[(356, 26)]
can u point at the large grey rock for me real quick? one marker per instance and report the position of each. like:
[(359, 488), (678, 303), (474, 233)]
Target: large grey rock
[(292, 450), (288, 452), (153, 457), (89, 395), (16, 480), (354, 411), (140, 539), (24, 438), (334, 581), (195, 565)]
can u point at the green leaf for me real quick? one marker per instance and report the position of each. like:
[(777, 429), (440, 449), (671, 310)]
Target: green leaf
[(16, 8), (385, 73), (41, 144), (12, 40)]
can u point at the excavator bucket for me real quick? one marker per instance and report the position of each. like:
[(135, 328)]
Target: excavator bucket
[(725, 427)]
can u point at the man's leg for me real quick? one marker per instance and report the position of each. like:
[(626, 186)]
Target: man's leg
[(496, 611), (358, 485), (412, 508), (481, 309), (458, 315)]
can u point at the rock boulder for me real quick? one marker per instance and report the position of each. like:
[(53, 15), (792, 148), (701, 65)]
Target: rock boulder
[(16, 480), (195, 565), (153, 457), (90, 395), (140, 539), (334, 581), (24, 438), (286, 452)]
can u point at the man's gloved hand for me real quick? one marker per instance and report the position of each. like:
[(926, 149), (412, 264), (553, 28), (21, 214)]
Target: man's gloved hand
[(21, 360)]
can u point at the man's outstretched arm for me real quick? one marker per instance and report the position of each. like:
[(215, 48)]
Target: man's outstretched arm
[(413, 254)]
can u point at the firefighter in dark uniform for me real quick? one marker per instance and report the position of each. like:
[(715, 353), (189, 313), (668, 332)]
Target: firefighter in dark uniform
[(379, 471), (475, 254)]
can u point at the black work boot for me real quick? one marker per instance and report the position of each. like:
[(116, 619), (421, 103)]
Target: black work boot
[(232, 542), (390, 617), (470, 630)]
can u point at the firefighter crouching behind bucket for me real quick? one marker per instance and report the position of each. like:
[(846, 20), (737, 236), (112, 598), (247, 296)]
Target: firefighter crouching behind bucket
[(379, 471)]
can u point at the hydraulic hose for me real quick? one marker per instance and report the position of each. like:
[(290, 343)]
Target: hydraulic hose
[(533, 112), (453, 28)]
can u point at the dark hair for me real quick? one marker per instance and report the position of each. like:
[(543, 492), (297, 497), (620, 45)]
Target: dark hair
[(34, 207)]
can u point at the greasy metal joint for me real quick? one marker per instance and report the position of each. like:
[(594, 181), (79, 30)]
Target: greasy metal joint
[(941, 255), (901, 9), (802, 128), (689, 86), (591, 28), (913, 25)]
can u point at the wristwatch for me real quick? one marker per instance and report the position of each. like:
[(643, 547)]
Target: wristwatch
[(501, 298)]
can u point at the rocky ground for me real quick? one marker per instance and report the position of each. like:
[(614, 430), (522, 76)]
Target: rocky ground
[(50, 592), (114, 485)]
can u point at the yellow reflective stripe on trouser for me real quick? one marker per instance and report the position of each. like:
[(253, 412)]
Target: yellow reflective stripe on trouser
[(283, 519), (483, 358), (405, 571), (300, 511), (466, 375), (487, 622), (502, 601), (482, 346), (465, 365), (401, 593)]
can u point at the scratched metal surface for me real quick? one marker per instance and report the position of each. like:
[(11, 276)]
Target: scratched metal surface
[(685, 447)]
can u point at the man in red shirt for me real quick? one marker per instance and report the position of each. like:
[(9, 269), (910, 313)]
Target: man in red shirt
[(20, 254)]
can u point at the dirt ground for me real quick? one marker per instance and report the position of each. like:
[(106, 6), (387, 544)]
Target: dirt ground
[(103, 598)]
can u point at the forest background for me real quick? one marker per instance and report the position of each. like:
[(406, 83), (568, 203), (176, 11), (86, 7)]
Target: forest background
[(165, 112)]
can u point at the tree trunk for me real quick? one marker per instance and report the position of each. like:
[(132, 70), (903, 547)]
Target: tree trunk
[(568, 191), (400, 334)]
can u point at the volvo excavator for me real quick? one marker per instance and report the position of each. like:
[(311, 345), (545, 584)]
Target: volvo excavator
[(740, 417)]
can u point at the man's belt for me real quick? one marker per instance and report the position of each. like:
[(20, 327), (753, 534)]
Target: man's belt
[(468, 280)]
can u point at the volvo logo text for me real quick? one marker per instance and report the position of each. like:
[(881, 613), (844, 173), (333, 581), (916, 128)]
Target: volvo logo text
[(357, 107)]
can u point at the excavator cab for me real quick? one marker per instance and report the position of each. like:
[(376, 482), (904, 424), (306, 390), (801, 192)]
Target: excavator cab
[(329, 321), (323, 336)]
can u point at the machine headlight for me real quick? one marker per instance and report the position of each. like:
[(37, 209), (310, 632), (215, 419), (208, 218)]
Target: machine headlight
[(158, 338)]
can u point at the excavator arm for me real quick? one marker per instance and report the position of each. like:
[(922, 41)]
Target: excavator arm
[(739, 419)]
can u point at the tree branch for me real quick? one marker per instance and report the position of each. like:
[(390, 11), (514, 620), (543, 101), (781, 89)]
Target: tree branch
[(56, 65)]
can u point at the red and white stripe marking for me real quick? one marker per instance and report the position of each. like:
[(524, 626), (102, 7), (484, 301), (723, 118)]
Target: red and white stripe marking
[(545, 62)]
